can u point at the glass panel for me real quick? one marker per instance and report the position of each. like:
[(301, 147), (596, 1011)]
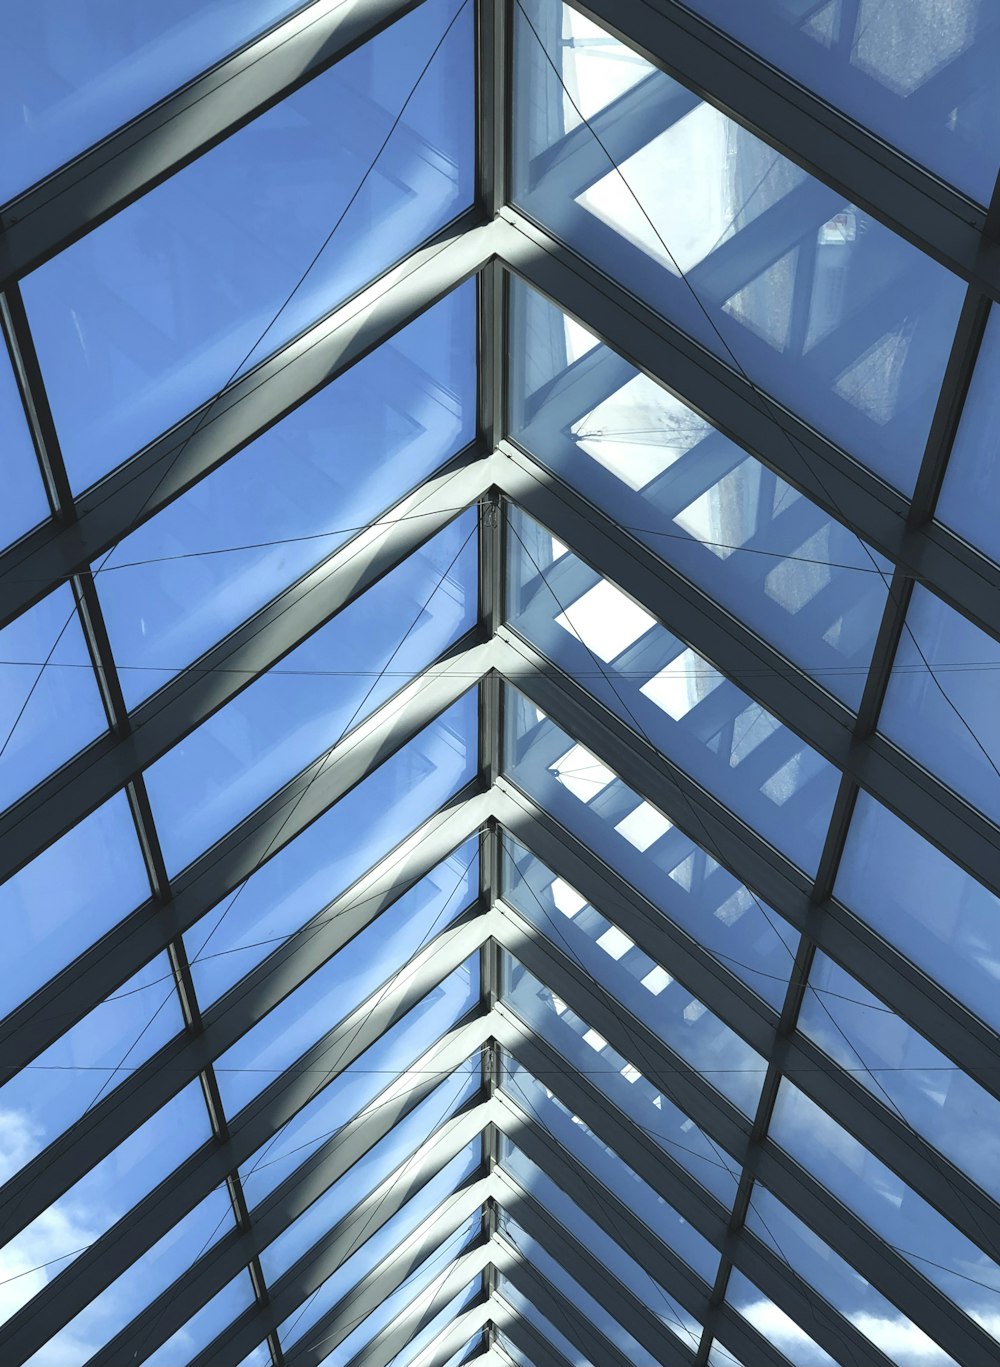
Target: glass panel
[(299, 710), (663, 1306), (670, 694), (376, 958), (24, 503), (156, 310), (392, 1157), (206, 1325), (821, 306), (67, 897), (49, 1244), (590, 1055), (81, 71), (970, 494), (903, 1070), (50, 705), (893, 1210), (40, 1103), (645, 988), (366, 1253), (414, 1293), (526, 1310), (720, 1356), (638, 841), (423, 1343), (112, 1309), (287, 501), (940, 705), (381, 1071), (760, 548), (260, 1357), (572, 1134), (288, 891), (916, 72), (925, 905), (775, 1326), (599, 1241), (839, 1285)]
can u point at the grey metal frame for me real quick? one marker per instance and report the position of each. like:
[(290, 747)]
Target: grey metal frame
[(495, 242)]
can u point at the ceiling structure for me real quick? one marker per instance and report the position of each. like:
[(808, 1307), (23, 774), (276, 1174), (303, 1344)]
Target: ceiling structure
[(499, 745)]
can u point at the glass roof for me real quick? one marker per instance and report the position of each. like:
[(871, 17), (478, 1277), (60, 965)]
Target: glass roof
[(499, 761)]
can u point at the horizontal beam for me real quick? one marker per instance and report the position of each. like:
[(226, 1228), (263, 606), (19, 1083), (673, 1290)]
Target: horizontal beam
[(95, 185), (800, 125), (256, 1123)]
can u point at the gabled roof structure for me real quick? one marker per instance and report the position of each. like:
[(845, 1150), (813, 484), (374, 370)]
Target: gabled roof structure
[(498, 737)]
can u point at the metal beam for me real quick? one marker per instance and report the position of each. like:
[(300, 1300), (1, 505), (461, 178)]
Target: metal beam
[(801, 456), (585, 1337), (258, 1121), (462, 1329), (798, 124), (386, 1345), (128, 163), (196, 445), (227, 668)]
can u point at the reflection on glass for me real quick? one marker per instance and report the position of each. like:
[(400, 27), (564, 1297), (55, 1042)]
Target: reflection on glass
[(642, 845), (291, 498), (840, 1286), (574, 1135), (83, 70), (371, 960), (970, 493), (621, 1081), (900, 1067), (86, 1063), (24, 504), (306, 704), (112, 1309), (669, 693), (892, 1209), (643, 986), (929, 908), (397, 1156), (66, 898), (381, 1071), (48, 1245), (776, 1327), (368, 1249), (919, 73), (753, 543), (940, 705), (156, 310), (821, 306), (50, 705), (285, 893)]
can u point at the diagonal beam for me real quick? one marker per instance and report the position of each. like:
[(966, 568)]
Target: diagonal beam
[(553, 1305), (151, 147)]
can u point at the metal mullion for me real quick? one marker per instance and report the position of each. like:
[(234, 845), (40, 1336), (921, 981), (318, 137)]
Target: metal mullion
[(159, 141), (808, 461), (603, 1206), (829, 145), (617, 1299), (210, 1165), (140, 487), (370, 1293), (233, 663), (196, 1286), (649, 927), (102, 968), (553, 1305), (14, 329), (628, 1035)]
